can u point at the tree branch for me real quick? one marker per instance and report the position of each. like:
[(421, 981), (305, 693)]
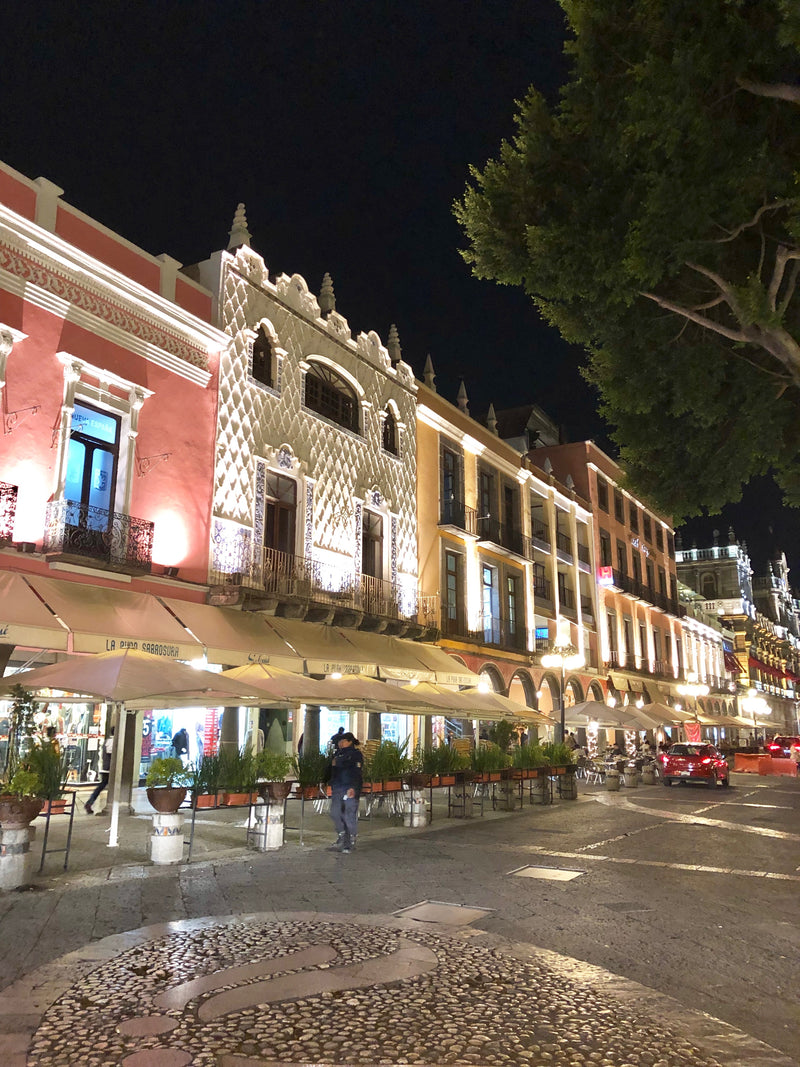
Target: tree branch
[(699, 320), (782, 257), (776, 205), (778, 91), (710, 304), (790, 288)]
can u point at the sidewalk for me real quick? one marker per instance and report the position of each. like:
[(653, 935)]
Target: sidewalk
[(247, 959)]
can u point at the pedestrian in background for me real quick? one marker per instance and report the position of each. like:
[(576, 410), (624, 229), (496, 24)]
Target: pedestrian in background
[(105, 770)]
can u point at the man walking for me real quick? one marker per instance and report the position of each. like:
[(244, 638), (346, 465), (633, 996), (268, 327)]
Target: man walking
[(105, 768), (346, 782)]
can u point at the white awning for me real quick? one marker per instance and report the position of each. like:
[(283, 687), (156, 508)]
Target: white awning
[(234, 638), (24, 619), (106, 620)]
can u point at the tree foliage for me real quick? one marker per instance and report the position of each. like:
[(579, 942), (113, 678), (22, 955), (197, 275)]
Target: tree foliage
[(653, 216)]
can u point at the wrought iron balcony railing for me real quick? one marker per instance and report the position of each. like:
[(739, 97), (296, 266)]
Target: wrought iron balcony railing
[(287, 576), (542, 588), (89, 532), (456, 513), (540, 531), (491, 631), (504, 536), (8, 511)]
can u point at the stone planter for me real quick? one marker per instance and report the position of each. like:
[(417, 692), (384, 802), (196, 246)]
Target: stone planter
[(417, 780), (166, 841), (274, 792), (166, 798), (612, 780), (17, 812), (648, 776)]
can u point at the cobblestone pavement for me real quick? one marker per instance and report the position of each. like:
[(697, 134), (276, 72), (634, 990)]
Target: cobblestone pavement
[(272, 987)]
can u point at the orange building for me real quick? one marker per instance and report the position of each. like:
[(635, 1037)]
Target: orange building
[(638, 620)]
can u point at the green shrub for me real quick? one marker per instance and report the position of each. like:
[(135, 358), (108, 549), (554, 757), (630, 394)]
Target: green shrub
[(501, 733), (50, 767), (237, 770), (273, 766), (487, 758), (205, 777), (167, 771), (23, 783), (389, 760), (558, 754), (530, 755), (310, 768)]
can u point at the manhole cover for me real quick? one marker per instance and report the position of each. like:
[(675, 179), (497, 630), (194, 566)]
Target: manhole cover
[(552, 874), (436, 911)]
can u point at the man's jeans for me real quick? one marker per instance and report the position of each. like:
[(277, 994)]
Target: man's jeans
[(344, 812)]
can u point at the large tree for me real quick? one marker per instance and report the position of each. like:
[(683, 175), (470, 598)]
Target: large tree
[(653, 215)]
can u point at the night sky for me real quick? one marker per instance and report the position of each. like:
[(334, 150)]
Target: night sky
[(347, 129)]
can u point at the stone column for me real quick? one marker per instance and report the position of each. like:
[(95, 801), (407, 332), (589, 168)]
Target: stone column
[(311, 729), (229, 728), (374, 726)]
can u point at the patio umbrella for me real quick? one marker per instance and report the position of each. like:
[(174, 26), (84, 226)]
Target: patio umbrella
[(665, 714), (279, 685), (592, 711), (135, 679), (474, 704)]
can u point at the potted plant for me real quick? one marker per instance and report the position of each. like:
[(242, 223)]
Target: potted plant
[(417, 777), (310, 770), (20, 798), (167, 780), (387, 765), (272, 770), (488, 761), (51, 766), (204, 782), (237, 775)]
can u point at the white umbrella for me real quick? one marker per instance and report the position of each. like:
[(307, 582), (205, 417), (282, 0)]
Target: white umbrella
[(136, 679)]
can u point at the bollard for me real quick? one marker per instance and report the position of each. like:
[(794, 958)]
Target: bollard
[(540, 790), (648, 776), (568, 787), (612, 780), (16, 858), (416, 812), (166, 842), (631, 778), (267, 833)]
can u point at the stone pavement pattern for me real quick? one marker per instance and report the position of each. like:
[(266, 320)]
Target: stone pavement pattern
[(260, 993)]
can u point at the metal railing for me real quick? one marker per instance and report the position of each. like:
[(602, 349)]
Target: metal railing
[(8, 511), (457, 513), (287, 576), (505, 536), (491, 631), (563, 542), (587, 608), (96, 533), (583, 553), (543, 588), (540, 531)]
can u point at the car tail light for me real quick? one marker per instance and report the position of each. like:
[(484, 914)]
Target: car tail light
[(774, 748), (706, 761)]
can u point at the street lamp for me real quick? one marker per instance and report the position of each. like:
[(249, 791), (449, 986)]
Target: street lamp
[(755, 705), (567, 658), (693, 688)]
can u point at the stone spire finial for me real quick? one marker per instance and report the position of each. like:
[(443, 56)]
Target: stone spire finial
[(679, 542), (393, 345), (715, 535), (428, 375), (327, 297), (547, 466), (570, 482), (239, 233), (462, 399), (731, 536), (491, 420)]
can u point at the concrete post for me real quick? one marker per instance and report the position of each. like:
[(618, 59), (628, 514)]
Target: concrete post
[(311, 729), (268, 832), (16, 858), (166, 842)]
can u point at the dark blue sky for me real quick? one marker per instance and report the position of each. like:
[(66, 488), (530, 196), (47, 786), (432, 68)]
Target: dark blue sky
[(347, 129)]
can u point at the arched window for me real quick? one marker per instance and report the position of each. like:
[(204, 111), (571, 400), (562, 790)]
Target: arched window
[(262, 368), (389, 433), (331, 396)]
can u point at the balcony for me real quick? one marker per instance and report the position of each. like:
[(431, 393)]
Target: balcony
[(587, 608), (583, 554), (540, 534), (80, 532), (490, 531), (564, 544), (456, 514), (8, 511), (492, 631), (566, 600), (308, 588), (639, 665), (542, 588)]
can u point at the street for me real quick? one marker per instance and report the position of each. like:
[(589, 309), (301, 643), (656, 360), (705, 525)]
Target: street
[(690, 893)]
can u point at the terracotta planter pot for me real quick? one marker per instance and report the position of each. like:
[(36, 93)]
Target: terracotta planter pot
[(55, 807), (236, 800), (447, 779), (166, 799), (205, 800), (16, 812), (310, 792), (392, 785)]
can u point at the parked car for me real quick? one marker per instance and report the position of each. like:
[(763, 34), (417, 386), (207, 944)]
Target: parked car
[(686, 762), (779, 746)]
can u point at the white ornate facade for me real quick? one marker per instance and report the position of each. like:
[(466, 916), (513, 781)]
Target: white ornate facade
[(343, 473)]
